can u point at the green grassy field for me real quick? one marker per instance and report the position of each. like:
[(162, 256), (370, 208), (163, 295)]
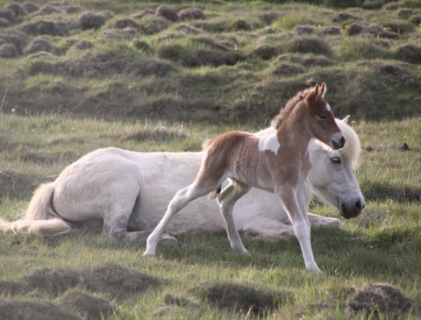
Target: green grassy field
[(131, 76)]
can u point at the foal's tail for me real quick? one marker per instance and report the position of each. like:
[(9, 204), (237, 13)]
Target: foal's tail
[(39, 219)]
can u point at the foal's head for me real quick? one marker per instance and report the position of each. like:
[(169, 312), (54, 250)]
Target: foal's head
[(321, 121)]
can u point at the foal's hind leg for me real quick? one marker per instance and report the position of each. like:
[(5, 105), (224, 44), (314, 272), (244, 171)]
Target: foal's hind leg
[(226, 200), (180, 200)]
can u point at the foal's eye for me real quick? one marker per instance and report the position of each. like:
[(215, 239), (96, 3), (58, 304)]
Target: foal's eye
[(321, 116), (336, 160)]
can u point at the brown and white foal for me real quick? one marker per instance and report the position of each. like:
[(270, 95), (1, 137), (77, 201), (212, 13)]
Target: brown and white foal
[(276, 161)]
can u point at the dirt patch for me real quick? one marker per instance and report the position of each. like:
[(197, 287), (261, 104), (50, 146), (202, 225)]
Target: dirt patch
[(115, 280), (125, 23), (21, 309), (283, 69), (46, 10), (8, 50), (153, 24), (344, 17), (10, 288), (88, 306), (47, 28), (52, 281), (9, 15), (304, 29), (15, 37), (241, 298), (265, 52), (409, 53), (197, 57), (191, 14), (17, 9), (29, 8), (374, 300), (331, 31), (37, 45), (309, 44), (186, 29), (111, 279), (91, 21), (167, 13), (378, 298)]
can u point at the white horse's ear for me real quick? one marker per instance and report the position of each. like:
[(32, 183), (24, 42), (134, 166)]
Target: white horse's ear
[(345, 120), (323, 89)]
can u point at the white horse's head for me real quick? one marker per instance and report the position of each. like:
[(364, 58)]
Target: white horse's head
[(332, 173)]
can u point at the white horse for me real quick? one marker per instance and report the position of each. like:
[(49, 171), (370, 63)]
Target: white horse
[(128, 192)]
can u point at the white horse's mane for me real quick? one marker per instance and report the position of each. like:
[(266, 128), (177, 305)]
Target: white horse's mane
[(352, 149)]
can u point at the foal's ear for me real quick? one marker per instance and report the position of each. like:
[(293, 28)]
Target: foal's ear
[(314, 93)]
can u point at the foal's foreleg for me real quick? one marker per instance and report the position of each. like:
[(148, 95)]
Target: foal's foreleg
[(300, 223), (226, 200), (180, 200)]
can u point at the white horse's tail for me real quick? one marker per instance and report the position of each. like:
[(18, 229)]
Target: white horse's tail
[(40, 218)]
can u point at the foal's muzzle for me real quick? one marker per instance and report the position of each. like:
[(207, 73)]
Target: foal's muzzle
[(339, 143)]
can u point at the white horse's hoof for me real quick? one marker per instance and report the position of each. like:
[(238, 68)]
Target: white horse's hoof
[(169, 241)]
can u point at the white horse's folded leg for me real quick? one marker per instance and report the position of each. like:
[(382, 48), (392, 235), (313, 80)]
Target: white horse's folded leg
[(169, 240), (226, 201), (269, 229), (320, 221)]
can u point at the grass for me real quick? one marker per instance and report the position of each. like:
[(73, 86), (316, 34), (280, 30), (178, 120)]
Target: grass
[(381, 246), (131, 79)]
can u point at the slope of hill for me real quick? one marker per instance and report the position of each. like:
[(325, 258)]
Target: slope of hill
[(217, 61)]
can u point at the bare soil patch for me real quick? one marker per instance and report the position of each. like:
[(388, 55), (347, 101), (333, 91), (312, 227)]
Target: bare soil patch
[(241, 298)]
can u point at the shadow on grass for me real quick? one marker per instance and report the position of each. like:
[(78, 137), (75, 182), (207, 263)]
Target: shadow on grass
[(384, 253), (337, 252), (382, 191)]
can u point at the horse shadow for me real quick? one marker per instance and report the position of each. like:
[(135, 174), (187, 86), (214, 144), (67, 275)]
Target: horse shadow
[(338, 252)]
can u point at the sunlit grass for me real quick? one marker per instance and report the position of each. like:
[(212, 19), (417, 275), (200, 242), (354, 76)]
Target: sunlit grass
[(382, 245)]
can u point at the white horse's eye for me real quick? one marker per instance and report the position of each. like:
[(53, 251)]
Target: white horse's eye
[(336, 160)]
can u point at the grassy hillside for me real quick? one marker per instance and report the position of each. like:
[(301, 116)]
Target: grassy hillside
[(208, 61), (147, 76)]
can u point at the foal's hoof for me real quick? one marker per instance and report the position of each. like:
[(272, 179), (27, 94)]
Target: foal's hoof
[(169, 241)]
